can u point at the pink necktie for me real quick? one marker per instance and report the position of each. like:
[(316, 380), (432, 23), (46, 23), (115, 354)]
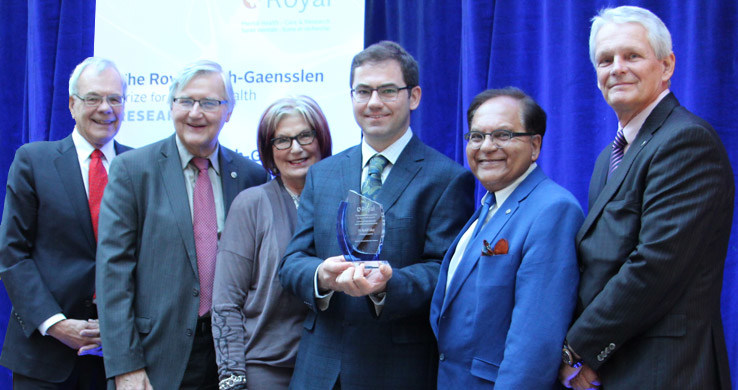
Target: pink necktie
[(98, 179), (205, 224)]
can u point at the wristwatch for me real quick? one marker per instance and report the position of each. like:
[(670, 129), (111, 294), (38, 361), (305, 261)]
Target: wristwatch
[(567, 357)]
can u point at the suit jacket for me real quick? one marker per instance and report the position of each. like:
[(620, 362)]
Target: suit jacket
[(47, 255), (426, 199), (147, 279), (652, 251), (503, 319)]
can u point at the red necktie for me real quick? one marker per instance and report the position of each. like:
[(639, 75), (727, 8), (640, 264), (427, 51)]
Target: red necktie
[(98, 179), (205, 224)]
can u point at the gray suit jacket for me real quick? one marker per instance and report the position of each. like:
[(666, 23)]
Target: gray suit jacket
[(147, 278), (47, 255), (652, 251)]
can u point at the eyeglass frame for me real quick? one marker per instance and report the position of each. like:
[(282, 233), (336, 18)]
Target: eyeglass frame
[(178, 100), (87, 98), (497, 143), (311, 132), (353, 90)]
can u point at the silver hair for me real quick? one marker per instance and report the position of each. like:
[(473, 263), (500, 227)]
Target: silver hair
[(199, 68), (658, 35), (99, 64)]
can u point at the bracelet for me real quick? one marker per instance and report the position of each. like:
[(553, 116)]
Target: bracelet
[(232, 382)]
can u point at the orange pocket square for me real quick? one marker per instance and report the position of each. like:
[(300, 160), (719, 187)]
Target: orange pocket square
[(500, 248)]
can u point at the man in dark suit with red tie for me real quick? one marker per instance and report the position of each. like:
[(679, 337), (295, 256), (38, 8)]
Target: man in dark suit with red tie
[(48, 238), (652, 247)]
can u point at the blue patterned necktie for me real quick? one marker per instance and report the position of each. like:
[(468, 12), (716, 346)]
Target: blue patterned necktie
[(488, 202), (618, 149), (373, 182)]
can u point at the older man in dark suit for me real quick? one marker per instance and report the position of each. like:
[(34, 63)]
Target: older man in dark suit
[(370, 329), (159, 222), (48, 238), (652, 247)]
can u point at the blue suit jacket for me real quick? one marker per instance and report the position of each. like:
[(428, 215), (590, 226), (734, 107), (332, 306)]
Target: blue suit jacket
[(503, 318), (426, 198), (47, 255), (147, 279)]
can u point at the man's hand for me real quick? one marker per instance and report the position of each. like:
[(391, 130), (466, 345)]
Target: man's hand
[(134, 380), (76, 334), (358, 281), (330, 269), (580, 378)]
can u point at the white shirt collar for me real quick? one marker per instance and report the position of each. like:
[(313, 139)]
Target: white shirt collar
[(391, 153), (85, 149), (185, 156), (502, 195)]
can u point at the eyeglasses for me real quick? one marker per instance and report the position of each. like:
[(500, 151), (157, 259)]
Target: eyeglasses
[(386, 94), (96, 100), (205, 104), (304, 138), (499, 137)]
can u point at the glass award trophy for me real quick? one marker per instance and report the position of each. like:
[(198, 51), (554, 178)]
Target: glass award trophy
[(360, 230)]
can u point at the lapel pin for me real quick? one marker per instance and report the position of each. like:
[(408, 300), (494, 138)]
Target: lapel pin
[(234, 175), (508, 211), (644, 142)]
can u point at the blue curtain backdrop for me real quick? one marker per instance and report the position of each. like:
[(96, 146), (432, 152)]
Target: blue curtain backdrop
[(463, 47)]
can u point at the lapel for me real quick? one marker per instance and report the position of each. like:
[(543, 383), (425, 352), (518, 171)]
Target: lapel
[(170, 168), (228, 177), (403, 172), (489, 232), (652, 124), (68, 169), (351, 171)]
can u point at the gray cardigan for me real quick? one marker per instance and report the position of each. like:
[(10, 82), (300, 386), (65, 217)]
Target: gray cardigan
[(255, 322)]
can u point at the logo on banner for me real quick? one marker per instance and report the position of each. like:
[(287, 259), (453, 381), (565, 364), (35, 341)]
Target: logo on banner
[(299, 5)]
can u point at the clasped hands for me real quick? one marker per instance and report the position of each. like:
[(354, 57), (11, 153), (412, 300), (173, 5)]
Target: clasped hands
[(82, 335), (337, 274), (582, 378)]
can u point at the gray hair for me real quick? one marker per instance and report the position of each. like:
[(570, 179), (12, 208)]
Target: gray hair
[(199, 68), (99, 64), (658, 35)]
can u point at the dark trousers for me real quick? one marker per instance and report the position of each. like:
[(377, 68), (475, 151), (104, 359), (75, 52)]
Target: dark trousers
[(88, 374), (202, 371)]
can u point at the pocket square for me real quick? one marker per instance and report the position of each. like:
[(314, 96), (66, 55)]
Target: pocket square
[(500, 248)]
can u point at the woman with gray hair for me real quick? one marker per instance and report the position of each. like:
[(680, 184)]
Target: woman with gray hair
[(256, 324)]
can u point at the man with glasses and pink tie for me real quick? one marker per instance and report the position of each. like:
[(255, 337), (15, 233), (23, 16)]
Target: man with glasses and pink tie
[(48, 239), (160, 220)]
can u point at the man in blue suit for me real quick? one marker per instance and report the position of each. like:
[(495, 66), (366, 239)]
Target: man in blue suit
[(369, 330), (48, 238), (507, 286)]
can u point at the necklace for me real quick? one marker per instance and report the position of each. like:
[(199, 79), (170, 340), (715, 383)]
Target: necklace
[(295, 198)]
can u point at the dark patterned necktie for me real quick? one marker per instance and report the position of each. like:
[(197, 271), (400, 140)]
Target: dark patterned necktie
[(373, 182), (205, 224), (618, 148), (97, 180)]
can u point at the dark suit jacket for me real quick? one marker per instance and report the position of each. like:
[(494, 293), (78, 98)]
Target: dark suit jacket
[(502, 321), (47, 255), (426, 198), (147, 279), (652, 251)]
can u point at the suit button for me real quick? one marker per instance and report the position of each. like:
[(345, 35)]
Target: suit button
[(611, 346), (195, 292), (442, 357), (188, 332), (600, 358)]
